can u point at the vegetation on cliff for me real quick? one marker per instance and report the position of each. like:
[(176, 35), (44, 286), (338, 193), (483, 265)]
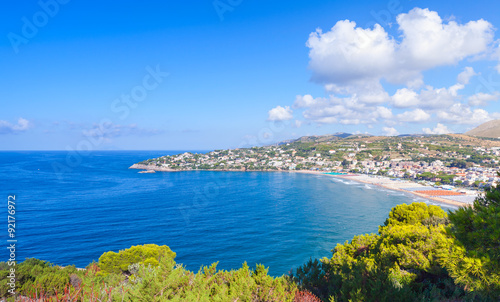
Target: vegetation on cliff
[(420, 254)]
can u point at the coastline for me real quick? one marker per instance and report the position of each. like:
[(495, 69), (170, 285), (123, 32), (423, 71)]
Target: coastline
[(382, 182), (394, 188), (163, 169)]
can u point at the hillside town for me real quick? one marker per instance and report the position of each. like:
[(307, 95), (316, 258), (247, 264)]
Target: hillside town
[(444, 160)]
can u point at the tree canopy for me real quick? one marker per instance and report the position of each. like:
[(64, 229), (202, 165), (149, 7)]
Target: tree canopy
[(420, 254)]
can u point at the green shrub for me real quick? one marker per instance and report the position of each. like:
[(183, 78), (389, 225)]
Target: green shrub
[(474, 260), (171, 282), (149, 254), (35, 276)]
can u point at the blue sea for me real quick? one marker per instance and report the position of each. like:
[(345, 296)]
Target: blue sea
[(71, 208)]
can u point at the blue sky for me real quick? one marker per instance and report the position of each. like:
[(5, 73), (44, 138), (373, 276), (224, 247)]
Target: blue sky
[(89, 75)]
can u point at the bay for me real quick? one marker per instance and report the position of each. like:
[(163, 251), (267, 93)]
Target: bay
[(73, 207)]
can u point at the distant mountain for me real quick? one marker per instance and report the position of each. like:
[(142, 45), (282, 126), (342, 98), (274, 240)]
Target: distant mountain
[(317, 138), (414, 135), (488, 129), (342, 134)]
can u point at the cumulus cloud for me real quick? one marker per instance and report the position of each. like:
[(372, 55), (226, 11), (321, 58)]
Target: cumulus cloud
[(464, 77), (346, 56), (415, 116), (390, 131), (348, 53), (8, 128), (108, 130), (482, 99), (444, 104), (348, 111), (428, 42), (404, 98), (432, 98), (280, 114), (462, 114), (439, 129), (305, 101), (429, 97), (352, 62)]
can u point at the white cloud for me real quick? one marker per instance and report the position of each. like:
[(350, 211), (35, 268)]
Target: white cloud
[(346, 56), (439, 129), (280, 114), (404, 98), (328, 113), (482, 99), (348, 53), (432, 98), (429, 97), (107, 129), (444, 104), (464, 77), (353, 62), (372, 94), (367, 92), (8, 128), (429, 42), (390, 131), (306, 101), (462, 114), (348, 111), (383, 112), (415, 116)]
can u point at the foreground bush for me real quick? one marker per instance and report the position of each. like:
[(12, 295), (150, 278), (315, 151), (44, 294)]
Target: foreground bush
[(35, 275), (148, 254), (474, 260), (419, 255), (151, 275), (168, 282)]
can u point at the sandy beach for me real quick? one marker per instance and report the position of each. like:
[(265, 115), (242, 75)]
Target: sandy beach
[(406, 187)]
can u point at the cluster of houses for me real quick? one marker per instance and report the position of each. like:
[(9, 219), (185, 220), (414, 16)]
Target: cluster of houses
[(474, 176), (282, 158)]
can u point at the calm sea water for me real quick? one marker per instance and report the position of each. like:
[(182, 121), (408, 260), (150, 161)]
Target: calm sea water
[(71, 209)]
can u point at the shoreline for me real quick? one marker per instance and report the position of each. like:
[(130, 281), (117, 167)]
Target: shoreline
[(392, 188), (353, 177), (163, 169)]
